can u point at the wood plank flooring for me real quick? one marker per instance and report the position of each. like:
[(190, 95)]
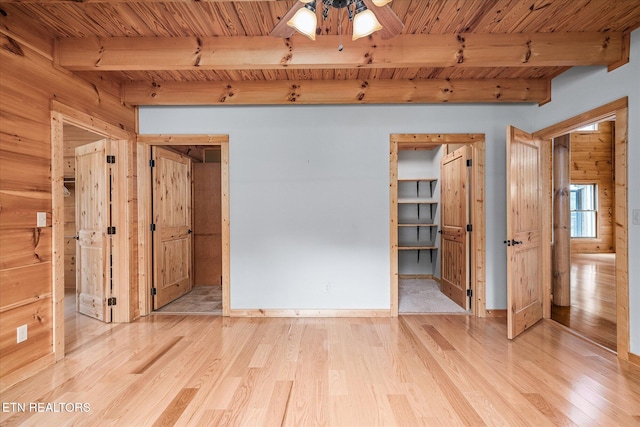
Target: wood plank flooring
[(592, 313), (442, 370)]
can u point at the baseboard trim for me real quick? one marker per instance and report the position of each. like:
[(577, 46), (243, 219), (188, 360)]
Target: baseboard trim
[(26, 371), (634, 358), (309, 313), (495, 313), (416, 276)]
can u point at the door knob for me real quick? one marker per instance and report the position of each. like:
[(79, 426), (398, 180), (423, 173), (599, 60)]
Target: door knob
[(517, 242)]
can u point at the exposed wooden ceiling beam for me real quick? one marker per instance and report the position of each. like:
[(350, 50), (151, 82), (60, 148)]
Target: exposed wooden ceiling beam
[(335, 92), (135, 1), (405, 50)]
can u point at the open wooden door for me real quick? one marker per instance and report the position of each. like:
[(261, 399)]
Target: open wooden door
[(454, 217), (93, 223), (172, 247), (525, 213)]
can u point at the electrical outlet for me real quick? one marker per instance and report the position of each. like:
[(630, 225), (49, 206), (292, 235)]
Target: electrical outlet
[(636, 217), (41, 219), (327, 288), (21, 333)]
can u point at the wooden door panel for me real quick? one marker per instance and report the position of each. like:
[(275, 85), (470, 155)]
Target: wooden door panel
[(524, 231), (454, 218), (93, 246), (453, 252), (91, 280), (172, 218)]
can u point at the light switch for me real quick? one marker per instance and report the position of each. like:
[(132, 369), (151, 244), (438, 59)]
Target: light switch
[(636, 217), (42, 219)]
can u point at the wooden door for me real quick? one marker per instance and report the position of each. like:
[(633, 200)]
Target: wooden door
[(93, 217), (172, 247), (525, 212), (454, 217)]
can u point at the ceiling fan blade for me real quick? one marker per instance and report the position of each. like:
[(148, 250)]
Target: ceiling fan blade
[(282, 29), (391, 24)]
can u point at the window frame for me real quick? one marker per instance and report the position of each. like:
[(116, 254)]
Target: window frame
[(595, 209)]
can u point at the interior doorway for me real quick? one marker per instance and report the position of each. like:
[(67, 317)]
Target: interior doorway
[(417, 255), (187, 223), (588, 302), (618, 112), (209, 268), (75, 137), (70, 129)]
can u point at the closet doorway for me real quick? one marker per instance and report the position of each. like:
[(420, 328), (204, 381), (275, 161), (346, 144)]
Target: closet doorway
[(199, 283), (420, 240)]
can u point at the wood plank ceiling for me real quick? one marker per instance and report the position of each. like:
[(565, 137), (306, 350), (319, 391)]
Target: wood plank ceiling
[(217, 52)]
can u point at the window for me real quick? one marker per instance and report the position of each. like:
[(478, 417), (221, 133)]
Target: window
[(584, 209), (591, 127)]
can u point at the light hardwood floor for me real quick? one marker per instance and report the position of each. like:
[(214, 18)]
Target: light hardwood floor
[(413, 370), (593, 299)]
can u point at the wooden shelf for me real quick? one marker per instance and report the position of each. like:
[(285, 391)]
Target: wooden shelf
[(417, 248), (415, 200), (417, 179), (406, 224)]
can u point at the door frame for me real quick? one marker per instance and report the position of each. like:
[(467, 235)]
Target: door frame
[(145, 266), (477, 211), (60, 115), (619, 110)]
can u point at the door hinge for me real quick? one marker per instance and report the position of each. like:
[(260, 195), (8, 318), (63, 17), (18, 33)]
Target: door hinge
[(153, 227), (469, 227), (469, 293), (111, 301), (111, 230), (469, 163), (152, 163), (153, 291), (111, 158)]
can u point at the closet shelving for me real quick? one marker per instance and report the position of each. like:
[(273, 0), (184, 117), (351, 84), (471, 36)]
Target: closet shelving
[(423, 220)]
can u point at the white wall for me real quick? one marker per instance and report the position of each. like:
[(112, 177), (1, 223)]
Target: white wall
[(309, 189), (582, 89)]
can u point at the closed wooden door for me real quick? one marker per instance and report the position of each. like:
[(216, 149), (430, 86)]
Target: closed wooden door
[(172, 247), (525, 213), (454, 217), (93, 247)]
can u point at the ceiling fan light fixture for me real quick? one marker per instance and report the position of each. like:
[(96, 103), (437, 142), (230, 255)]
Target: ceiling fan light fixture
[(364, 22), (381, 3), (305, 20)]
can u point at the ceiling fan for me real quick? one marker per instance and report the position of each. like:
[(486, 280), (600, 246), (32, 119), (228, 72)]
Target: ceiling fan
[(368, 16)]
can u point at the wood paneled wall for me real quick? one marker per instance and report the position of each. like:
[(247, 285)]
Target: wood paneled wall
[(592, 163), (28, 84), (207, 224)]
